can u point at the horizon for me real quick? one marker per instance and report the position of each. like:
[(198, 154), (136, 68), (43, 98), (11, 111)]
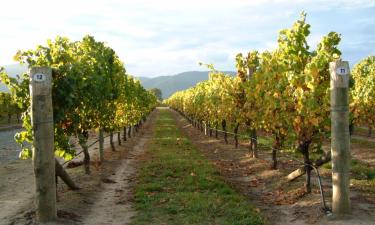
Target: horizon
[(166, 37), (136, 76)]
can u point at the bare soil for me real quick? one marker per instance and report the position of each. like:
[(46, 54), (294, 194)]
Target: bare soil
[(16, 190), (280, 201), (105, 196)]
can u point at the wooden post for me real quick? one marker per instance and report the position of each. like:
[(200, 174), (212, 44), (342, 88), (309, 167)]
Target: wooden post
[(101, 145), (236, 135), (111, 141), (340, 138), (124, 136), (43, 145), (60, 172), (254, 143), (130, 131), (216, 132), (119, 137)]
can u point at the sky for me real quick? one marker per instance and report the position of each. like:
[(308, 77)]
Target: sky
[(166, 37)]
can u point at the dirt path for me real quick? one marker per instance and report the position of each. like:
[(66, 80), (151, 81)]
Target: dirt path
[(113, 205), (105, 196), (16, 188), (281, 202)]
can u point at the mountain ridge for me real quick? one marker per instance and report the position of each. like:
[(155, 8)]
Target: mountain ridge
[(168, 84)]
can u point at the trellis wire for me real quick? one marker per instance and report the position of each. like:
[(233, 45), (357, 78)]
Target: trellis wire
[(90, 145), (324, 205)]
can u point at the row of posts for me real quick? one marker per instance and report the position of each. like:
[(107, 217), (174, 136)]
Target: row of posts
[(43, 130)]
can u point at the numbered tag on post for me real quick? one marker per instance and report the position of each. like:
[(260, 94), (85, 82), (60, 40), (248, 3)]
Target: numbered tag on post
[(341, 71), (39, 77)]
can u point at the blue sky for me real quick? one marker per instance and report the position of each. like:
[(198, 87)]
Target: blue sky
[(166, 37)]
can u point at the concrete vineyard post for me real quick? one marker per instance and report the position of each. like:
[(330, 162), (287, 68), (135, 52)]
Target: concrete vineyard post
[(340, 138), (43, 134)]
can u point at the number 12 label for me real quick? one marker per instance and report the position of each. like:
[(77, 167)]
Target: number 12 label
[(39, 77)]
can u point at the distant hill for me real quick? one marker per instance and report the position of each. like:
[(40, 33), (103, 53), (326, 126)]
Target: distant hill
[(12, 70), (167, 84), (170, 84)]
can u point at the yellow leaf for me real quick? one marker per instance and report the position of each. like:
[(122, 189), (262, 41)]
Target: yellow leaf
[(314, 121)]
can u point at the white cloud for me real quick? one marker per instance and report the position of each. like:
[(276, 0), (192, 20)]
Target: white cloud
[(168, 36)]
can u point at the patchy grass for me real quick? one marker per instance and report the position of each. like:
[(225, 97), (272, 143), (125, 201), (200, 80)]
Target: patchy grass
[(362, 171), (264, 140), (359, 170), (363, 143), (362, 176), (367, 186), (177, 185), (362, 131)]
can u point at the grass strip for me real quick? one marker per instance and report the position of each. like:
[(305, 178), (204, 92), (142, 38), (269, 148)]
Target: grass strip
[(177, 185)]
